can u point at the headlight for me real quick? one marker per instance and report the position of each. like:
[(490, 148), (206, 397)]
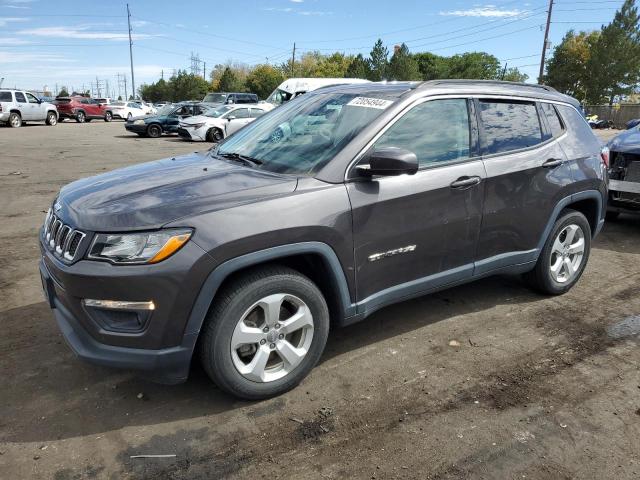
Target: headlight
[(145, 247), (197, 125), (138, 122)]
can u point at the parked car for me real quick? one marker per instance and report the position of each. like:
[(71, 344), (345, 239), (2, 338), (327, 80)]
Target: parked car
[(624, 173), (127, 110), (104, 101), (253, 249), (223, 98), (19, 106), (293, 87), (165, 120), (632, 123), (83, 109), (219, 123)]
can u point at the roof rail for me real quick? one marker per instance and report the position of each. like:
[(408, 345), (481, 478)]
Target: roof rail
[(459, 81)]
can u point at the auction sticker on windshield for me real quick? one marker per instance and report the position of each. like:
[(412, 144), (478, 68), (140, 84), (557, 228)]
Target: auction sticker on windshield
[(370, 102)]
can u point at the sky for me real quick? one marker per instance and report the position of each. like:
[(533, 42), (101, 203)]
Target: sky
[(71, 42)]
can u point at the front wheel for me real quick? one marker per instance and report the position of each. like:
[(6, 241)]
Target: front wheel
[(214, 135), (80, 117), (264, 333), (154, 131), (108, 117), (564, 256), (52, 119)]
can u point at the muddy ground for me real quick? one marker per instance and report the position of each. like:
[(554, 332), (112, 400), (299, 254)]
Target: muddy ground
[(532, 387)]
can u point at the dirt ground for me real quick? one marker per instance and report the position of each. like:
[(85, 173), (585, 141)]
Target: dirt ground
[(484, 381)]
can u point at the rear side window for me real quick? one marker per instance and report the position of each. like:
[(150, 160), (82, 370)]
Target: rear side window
[(5, 97), (256, 112), (552, 119), (509, 125), (20, 98), (580, 141), (437, 131), (240, 113)]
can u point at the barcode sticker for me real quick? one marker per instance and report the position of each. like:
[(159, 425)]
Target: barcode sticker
[(370, 102)]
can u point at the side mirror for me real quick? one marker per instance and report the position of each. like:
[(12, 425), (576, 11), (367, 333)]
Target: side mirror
[(232, 117), (389, 161)]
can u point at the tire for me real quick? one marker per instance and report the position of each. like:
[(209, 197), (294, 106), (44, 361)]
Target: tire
[(214, 135), (612, 216), (154, 130), (52, 119), (108, 117), (562, 248), (15, 120), (81, 117), (239, 300), (129, 117)]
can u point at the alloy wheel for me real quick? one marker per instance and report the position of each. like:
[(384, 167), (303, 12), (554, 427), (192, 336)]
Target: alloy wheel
[(272, 338), (567, 253)]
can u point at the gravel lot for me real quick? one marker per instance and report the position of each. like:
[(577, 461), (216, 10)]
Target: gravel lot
[(487, 380)]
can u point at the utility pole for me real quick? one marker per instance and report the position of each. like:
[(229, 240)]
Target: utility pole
[(504, 71), (133, 81), (293, 61), (204, 70), (546, 42)]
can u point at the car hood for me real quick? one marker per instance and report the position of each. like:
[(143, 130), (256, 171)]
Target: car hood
[(149, 195), (627, 142), (195, 119)]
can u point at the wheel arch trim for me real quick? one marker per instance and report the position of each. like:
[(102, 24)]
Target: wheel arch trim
[(221, 272)]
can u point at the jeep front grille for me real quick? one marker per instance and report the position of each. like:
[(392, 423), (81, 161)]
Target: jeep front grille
[(61, 239)]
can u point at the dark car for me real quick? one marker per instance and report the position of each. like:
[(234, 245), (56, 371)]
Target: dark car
[(624, 173), (82, 109), (223, 98), (336, 204), (166, 120)]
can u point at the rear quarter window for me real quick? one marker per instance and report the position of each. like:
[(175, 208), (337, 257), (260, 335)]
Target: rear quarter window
[(552, 119), (580, 141), (6, 97), (509, 125)]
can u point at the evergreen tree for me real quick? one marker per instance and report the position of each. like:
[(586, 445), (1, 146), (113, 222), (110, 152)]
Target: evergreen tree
[(229, 81), (403, 66), (378, 62), (358, 68)]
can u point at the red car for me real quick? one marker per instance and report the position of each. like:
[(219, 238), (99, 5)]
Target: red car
[(83, 109)]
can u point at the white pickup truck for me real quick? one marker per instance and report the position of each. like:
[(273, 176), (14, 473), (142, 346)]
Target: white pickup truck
[(18, 106)]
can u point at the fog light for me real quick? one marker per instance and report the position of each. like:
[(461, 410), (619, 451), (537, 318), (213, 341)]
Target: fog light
[(119, 305)]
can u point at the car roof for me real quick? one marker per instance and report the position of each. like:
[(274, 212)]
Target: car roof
[(462, 87)]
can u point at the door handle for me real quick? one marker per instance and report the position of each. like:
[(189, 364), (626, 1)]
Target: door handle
[(552, 163), (465, 182)]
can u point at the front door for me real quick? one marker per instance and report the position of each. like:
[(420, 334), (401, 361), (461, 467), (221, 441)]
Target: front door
[(237, 119), (416, 232), (37, 110)]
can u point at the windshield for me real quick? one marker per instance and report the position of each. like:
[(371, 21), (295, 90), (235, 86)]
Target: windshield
[(303, 135), (218, 112), (166, 110), (215, 98), (278, 97)]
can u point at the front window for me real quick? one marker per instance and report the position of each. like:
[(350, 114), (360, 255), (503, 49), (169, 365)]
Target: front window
[(31, 98), (303, 135), (278, 97), (215, 98), (218, 112), (166, 110)]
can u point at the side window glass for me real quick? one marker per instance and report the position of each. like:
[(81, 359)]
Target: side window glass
[(5, 97), (240, 113), (552, 119), (510, 125), (20, 98), (256, 112), (436, 131), (31, 98)]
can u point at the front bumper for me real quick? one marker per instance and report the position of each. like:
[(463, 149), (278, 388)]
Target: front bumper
[(161, 349), (136, 128)]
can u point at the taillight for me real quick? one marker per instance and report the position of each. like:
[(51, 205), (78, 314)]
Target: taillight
[(604, 155)]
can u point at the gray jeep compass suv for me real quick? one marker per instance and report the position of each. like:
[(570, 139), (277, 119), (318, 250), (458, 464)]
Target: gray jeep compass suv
[(319, 213)]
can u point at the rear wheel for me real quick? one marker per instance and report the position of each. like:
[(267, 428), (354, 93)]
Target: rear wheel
[(108, 117), (15, 120), (564, 256), (81, 117), (154, 131), (265, 332), (52, 119)]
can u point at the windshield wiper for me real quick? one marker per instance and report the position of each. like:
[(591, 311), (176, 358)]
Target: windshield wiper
[(250, 161)]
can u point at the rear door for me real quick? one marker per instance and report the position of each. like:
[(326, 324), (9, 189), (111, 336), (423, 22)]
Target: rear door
[(416, 232), (527, 175)]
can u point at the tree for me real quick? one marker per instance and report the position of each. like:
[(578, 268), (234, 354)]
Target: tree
[(181, 86), (63, 92), (263, 80), (432, 66), (568, 68), (403, 66), (358, 68), (514, 75), (474, 65), (614, 64), (333, 66), (378, 62), (230, 81)]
